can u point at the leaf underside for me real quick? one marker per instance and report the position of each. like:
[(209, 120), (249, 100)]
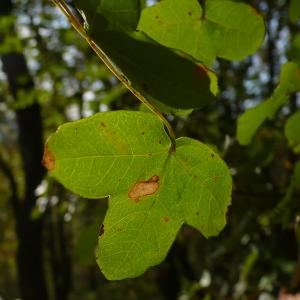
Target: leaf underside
[(153, 70)]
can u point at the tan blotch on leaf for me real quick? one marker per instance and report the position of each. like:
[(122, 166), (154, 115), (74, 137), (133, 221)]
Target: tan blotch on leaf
[(144, 188)]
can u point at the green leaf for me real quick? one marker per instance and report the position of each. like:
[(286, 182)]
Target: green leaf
[(225, 29), (292, 131), (152, 192), (153, 70), (159, 73), (253, 118)]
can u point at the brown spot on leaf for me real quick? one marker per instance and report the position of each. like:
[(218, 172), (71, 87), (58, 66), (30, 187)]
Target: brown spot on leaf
[(190, 13), (197, 213), (101, 230), (143, 132), (254, 11), (113, 137), (201, 71), (159, 141), (227, 212), (166, 219), (48, 159), (215, 178), (144, 188)]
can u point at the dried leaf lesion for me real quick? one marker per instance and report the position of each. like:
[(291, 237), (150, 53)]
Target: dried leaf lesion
[(48, 159), (101, 230), (144, 188), (166, 219)]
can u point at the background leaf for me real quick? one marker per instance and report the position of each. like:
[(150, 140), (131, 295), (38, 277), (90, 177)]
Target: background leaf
[(252, 119), (225, 29), (292, 131), (152, 69), (295, 49)]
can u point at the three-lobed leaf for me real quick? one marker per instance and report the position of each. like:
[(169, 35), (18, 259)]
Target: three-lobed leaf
[(222, 28), (126, 155)]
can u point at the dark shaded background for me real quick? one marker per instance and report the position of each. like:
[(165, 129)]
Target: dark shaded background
[(48, 235)]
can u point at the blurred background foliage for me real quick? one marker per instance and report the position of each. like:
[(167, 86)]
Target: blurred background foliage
[(49, 76)]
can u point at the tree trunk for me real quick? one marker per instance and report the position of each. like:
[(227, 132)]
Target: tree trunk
[(29, 232)]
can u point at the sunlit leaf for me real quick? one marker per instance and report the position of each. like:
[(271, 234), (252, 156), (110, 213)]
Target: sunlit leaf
[(126, 155), (223, 28)]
